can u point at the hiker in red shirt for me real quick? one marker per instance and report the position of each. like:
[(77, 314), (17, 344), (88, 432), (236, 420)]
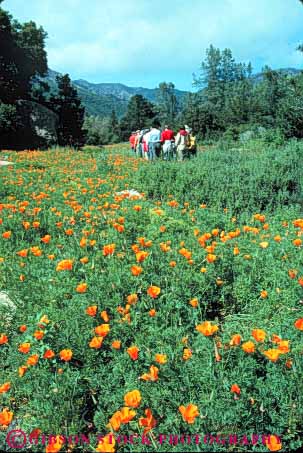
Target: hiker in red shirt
[(167, 140), (132, 140)]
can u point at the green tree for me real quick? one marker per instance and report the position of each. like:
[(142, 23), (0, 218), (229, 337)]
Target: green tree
[(71, 113), (167, 103), (114, 128), (22, 56), (140, 113)]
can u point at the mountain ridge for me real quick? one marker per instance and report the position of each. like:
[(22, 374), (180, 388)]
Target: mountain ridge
[(100, 99)]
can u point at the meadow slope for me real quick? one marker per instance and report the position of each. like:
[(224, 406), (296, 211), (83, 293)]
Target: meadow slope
[(176, 312)]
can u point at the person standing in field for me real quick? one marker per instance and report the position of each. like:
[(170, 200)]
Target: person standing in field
[(132, 140), (181, 143), (154, 142), (167, 139), (192, 143), (137, 143), (145, 140)]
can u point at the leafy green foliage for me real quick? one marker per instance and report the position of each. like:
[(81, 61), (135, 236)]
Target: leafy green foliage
[(71, 113), (61, 193), (140, 113)]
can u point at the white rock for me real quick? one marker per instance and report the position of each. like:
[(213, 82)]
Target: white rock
[(5, 162), (130, 193), (7, 309)]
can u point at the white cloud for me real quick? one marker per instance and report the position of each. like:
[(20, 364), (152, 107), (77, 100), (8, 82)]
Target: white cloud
[(143, 39)]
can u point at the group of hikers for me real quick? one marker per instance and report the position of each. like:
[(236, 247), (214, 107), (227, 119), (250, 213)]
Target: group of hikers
[(154, 143)]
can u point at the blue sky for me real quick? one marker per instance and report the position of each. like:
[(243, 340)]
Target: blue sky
[(145, 42)]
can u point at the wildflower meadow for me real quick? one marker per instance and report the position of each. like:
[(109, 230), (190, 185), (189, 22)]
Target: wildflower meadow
[(173, 313)]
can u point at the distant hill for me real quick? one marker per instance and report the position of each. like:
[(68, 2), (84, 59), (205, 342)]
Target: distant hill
[(101, 98)]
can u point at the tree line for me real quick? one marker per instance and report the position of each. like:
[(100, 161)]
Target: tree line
[(228, 99), (23, 62)]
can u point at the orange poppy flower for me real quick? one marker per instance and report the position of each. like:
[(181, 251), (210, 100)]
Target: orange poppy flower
[(248, 347), (211, 258), (207, 329), (133, 398), (6, 417), (132, 299), (23, 328), (24, 348), (107, 445), (194, 302), (297, 242), (23, 253), (66, 355), (272, 354), (36, 251), (298, 324), (3, 339), (263, 294), (32, 360), (127, 414), (259, 335), (283, 346), (6, 234), (152, 312), (55, 444), (46, 239), (154, 291), (83, 242), (21, 370), (189, 413), (91, 310), (84, 260), (187, 354), (148, 422), (115, 421), (4, 388), (235, 340), (136, 270), (109, 249), (235, 389), (141, 256), (152, 375), (39, 334), (161, 358), (49, 354), (116, 344), (102, 330), (292, 273), (264, 244), (104, 316), (81, 288), (65, 265), (273, 443), (133, 352), (96, 343)]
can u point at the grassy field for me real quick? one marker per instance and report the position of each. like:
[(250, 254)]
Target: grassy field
[(178, 312)]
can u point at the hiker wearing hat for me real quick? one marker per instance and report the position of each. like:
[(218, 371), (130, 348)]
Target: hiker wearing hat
[(167, 140), (192, 148), (132, 140), (154, 142), (138, 147), (181, 143)]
